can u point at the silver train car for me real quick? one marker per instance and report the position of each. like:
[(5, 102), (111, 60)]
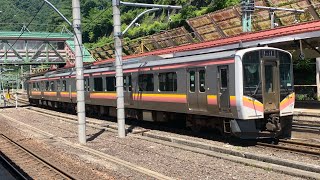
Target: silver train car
[(246, 93)]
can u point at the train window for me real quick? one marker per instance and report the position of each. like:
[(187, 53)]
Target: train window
[(130, 83), (37, 86), (192, 76), (52, 88), (34, 86), (111, 83), (73, 85), (224, 78), (168, 81), (285, 71), (269, 78), (58, 85), (47, 86), (42, 86), (86, 84), (146, 82), (97, 84), (251, 73), (64, 85), (125, 83), (202, 80)]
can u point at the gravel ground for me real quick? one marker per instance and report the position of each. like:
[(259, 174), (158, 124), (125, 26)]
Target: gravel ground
[(311, 137), (77, 162), (252, 149), (169, 161)]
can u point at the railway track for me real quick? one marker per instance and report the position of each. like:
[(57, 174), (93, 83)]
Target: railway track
[(14, 171), (306, 126), (104, 156), (24, 101), (150, 136), (27, 164), (294, 146)]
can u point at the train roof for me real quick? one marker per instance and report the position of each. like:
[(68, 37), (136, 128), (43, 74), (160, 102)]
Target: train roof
[(151, 61), (243, 51)]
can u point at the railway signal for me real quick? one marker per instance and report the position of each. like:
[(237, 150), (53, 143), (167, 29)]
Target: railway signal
[(248, 7)]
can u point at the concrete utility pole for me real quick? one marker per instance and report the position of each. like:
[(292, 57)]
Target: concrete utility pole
[(318, 78), (79, 71), (79, 66), (119, 72), (118, 53)]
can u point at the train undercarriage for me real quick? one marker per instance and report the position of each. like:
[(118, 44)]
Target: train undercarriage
[(273, 126)]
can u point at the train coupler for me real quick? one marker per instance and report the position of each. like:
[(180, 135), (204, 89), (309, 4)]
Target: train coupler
[(273, 123)]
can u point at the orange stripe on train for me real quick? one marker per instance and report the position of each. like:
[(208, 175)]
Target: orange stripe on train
[(176, 98), (212, 99), (287, 101), (50, 93), (103, 95), (252, 104), (36, 93), (66, 94), (233, 101)]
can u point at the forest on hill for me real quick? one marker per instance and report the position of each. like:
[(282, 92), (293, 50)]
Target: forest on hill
[(97, 23)]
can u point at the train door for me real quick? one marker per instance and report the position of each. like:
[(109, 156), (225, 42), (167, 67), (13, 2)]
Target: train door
[(70, 88), (127, 89), (223, 88), (197, 94), (87, 89), (270, 85)]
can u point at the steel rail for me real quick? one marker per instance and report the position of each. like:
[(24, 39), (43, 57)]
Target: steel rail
[(38, 158), (110, 158), (300, 143), (177, 142), (291, 149), (12, 167), (309, 127)]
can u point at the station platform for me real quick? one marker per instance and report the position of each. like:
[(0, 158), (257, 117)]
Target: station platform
[(307, 111), (298, 111)]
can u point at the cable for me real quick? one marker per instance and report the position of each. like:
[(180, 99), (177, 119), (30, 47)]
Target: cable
[(96, 17), (81, 47), (11, 47)]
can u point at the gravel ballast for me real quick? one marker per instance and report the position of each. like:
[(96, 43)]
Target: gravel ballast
[(172, 162)]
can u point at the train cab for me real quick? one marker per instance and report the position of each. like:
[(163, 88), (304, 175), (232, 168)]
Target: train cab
[(265, 83)]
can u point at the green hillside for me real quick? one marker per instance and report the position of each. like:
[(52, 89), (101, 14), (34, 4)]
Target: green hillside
[(97, 16)]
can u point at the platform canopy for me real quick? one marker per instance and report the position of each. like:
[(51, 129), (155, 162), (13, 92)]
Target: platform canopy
[(227, 23)]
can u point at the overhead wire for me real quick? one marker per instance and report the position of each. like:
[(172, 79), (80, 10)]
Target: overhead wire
[(23, 30), (87, 24)]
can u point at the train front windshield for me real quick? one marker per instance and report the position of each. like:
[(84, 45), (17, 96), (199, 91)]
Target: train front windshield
[(252, 75), (286, 80)]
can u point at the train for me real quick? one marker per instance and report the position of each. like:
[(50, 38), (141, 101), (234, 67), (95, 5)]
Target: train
[(247, 93)]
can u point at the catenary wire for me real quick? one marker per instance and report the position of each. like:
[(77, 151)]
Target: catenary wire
[(23, 30)]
